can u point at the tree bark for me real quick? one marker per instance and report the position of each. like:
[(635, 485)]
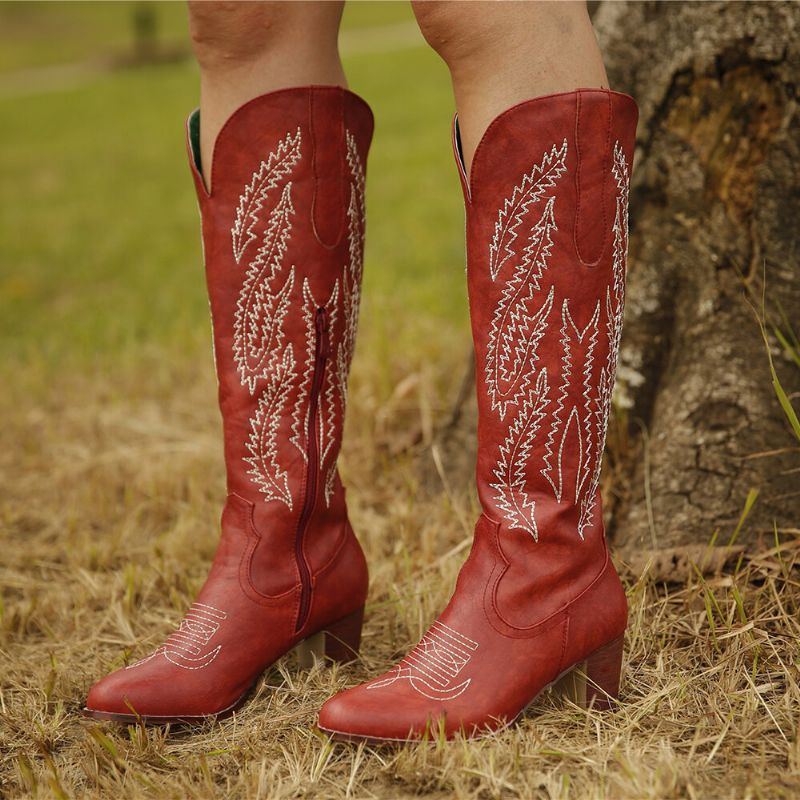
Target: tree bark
[(715, 213)]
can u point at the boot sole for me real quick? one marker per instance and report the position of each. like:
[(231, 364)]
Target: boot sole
[(149, 719)]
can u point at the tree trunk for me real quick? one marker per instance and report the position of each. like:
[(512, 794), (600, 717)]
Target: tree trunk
[(715, 211)]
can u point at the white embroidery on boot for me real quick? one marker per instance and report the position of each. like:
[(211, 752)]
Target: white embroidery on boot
[(351, 279), (262, 307), (342, 317), (278, 164), (262, 444), (578, 417), (516, 333), (187, 646), (615, 302), (511, 497), (434, 664), (529, 190), (326, 410), (351, 290), (516, 327)]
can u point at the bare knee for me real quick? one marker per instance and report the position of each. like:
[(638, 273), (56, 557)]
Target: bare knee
[(446, 26), (229, 34), (459, 31)]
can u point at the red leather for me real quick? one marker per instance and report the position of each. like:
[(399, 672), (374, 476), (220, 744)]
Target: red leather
[(283, 236), (546, 247)]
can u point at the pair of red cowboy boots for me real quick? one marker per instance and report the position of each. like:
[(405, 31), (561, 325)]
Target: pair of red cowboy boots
[(283, 234)]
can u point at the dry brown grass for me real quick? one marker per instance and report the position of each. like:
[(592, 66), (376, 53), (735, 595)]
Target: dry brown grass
[(111, 490)]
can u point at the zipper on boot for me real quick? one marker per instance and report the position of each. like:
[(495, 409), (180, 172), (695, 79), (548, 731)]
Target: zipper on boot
[(312, 460)]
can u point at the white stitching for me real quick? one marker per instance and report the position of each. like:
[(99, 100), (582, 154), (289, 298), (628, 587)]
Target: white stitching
[(436, 659), (351, 292), (184, 647), (614, 314), (512, 499), (515, 327), (262, 444), (570, 336), (588, 365), (515, 334), (327, 417), (278, 164), (260, 313), (342, 308), (260, 310), (512, 352), (530, 189)]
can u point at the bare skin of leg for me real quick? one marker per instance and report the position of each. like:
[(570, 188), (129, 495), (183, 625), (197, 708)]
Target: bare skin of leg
[(502, 53), (248, 49)]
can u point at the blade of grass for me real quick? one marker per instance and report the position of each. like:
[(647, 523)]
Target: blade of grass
[(749, 502)]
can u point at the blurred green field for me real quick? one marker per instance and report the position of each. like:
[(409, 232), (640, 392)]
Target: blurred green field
[(35, 34), (99, 244)]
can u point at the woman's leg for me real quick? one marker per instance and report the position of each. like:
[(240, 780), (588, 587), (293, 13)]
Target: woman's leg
[(248, 49), (500, 54)]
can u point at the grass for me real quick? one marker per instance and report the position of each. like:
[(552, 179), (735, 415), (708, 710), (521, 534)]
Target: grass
[(112, 480)]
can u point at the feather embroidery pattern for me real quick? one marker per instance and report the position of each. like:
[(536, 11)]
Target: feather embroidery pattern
[(265, 471), (615, 296), (543, 176), (351, 290), (261, 308), (578, 417), (351, 279), (519, 325), (342, 319), (511, 469), (516, 326), (279, 163), (327, 409)]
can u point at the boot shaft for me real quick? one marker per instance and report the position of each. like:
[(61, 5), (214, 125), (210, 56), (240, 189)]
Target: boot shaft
[(283, 235), (546, 242)]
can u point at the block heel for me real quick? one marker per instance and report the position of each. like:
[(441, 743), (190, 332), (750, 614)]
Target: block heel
[(594, 682), (343, 638), (339, 641), (603, 670)]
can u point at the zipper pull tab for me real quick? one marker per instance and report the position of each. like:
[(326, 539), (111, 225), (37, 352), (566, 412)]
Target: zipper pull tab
[(322, 333)]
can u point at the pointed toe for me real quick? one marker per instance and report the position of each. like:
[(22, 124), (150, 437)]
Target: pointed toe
[(393, 715), (335, 716), (349, 716), (111, 698)]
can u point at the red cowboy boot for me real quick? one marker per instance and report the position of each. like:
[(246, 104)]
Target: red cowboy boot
[(538, 597), (283, 235)]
